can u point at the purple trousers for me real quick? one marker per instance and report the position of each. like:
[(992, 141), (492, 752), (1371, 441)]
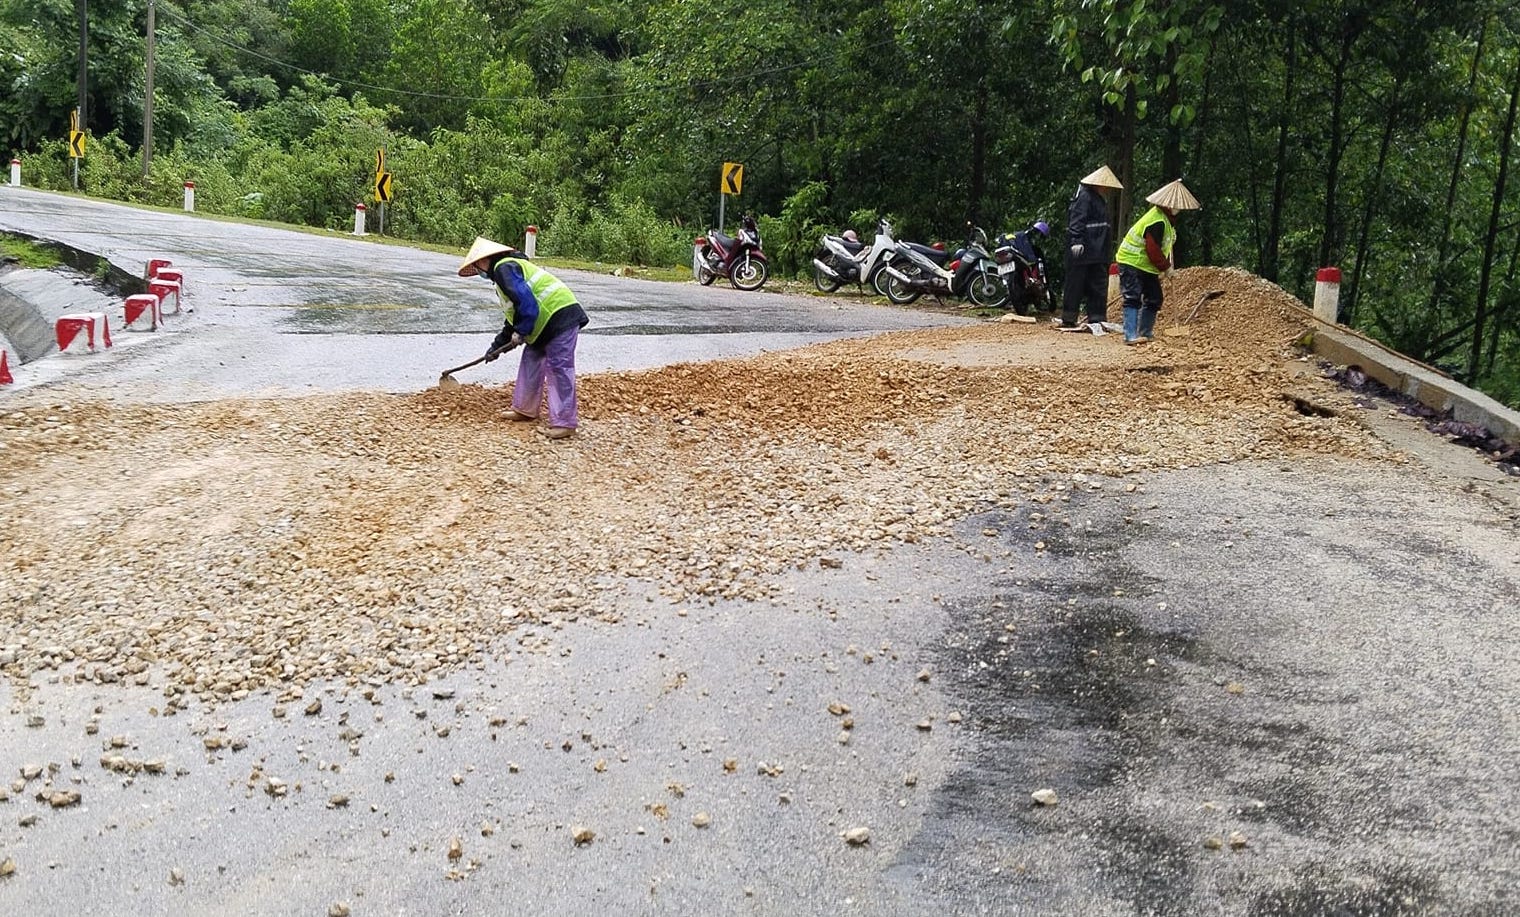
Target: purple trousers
[(551, 363)]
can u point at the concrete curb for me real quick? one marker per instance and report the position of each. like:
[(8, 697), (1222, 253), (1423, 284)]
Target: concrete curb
[(1427, 385)]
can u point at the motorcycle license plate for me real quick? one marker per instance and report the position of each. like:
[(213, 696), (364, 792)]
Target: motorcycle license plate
[(1009, 268)]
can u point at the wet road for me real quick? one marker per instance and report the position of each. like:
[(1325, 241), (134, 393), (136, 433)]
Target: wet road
[(1253, 690), (1257, 689), (380, 316)]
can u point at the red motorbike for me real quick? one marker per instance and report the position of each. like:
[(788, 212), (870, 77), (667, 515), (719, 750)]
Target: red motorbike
[(738, 258)]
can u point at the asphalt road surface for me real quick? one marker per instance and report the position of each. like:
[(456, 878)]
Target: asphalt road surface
[(281, 312), (1277, 688), (1297, 661)]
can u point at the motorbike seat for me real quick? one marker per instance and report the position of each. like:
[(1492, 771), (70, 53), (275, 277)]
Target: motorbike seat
[(853, 248), (938, 256), (723, 241)]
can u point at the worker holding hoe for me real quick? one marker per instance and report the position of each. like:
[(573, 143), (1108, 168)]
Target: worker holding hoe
[(543, 316), (1146, 254)]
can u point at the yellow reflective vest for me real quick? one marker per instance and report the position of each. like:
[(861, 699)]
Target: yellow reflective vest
[(550, 291), (1132, 249)]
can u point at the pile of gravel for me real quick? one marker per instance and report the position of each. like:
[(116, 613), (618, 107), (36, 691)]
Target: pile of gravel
[(219, 548)]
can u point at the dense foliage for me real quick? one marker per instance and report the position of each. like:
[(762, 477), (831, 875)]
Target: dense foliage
[(1372, 135)]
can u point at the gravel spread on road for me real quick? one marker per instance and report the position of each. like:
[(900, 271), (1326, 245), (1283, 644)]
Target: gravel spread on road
[(222, 547)]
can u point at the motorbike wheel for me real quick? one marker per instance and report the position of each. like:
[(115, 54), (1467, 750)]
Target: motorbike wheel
[(824, 282), (748, 274), (897, 291), (705, 277), (987, 291)]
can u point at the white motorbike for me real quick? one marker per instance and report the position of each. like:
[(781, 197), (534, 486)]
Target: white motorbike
[(839, 261)]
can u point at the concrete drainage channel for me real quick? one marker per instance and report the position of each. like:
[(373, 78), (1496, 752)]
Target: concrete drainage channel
[(1442, 395), (32, 299)]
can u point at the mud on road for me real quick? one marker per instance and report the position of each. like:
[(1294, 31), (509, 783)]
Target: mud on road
[(239, 555)]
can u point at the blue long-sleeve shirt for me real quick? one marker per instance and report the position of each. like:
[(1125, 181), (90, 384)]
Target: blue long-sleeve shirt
[(509, 278)]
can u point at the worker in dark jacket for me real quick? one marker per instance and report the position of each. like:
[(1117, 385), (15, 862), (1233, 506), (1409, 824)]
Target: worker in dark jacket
[(1145, 255), (543, 316), (1087, 245)]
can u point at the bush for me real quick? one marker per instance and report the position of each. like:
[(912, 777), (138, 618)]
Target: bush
[(622, 231), (791, 238)]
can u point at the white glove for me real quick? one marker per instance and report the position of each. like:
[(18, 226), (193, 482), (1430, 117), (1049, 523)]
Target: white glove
[(1077, 250)]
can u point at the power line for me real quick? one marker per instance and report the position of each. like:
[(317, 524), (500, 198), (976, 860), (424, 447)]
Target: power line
[(748, 75)]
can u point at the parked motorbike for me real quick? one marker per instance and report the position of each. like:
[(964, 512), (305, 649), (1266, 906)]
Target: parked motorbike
[(1021, 265), (739, 258), (840, 260), (907, 265), (971, 273)]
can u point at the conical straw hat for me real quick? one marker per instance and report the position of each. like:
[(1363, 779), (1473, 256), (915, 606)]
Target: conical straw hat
[(483, 248), (1104, 177), (1175, 196)]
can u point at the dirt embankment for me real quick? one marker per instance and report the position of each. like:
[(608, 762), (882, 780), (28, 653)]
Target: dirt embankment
[(222, 547)]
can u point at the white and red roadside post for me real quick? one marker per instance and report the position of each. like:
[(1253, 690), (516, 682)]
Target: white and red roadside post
[(359, 219), (189, 197), (5, 370), (176, 276), (1113, 281), (143, 312), (83, 332), (15, 173), (1327, 294), (530, 242), (163, 289)]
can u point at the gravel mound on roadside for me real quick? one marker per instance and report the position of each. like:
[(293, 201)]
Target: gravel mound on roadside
[(223, 547)]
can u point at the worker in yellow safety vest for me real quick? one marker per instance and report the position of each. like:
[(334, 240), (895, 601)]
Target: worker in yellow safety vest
[(1146, 254), (543, 316)]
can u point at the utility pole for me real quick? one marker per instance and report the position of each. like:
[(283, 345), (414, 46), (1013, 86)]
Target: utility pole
[(82, 10), (148, 96)]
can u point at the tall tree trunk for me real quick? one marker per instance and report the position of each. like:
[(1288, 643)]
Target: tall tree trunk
[(1500, 314), (1490, 240), (1253, 180), (1200, 131), (1329, 243), (1126, 160), (1438, 284), (1374, 194), (978, 189), (1270, 259), (1171, 150), (82, 11)]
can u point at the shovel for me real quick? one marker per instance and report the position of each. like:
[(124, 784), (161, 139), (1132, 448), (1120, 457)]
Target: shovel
[(447, 380)]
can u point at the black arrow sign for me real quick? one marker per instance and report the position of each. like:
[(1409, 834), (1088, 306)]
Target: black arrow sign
[(76, 144), (733, 178)]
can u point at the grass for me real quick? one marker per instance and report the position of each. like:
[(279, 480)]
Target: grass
[(28, 254)]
